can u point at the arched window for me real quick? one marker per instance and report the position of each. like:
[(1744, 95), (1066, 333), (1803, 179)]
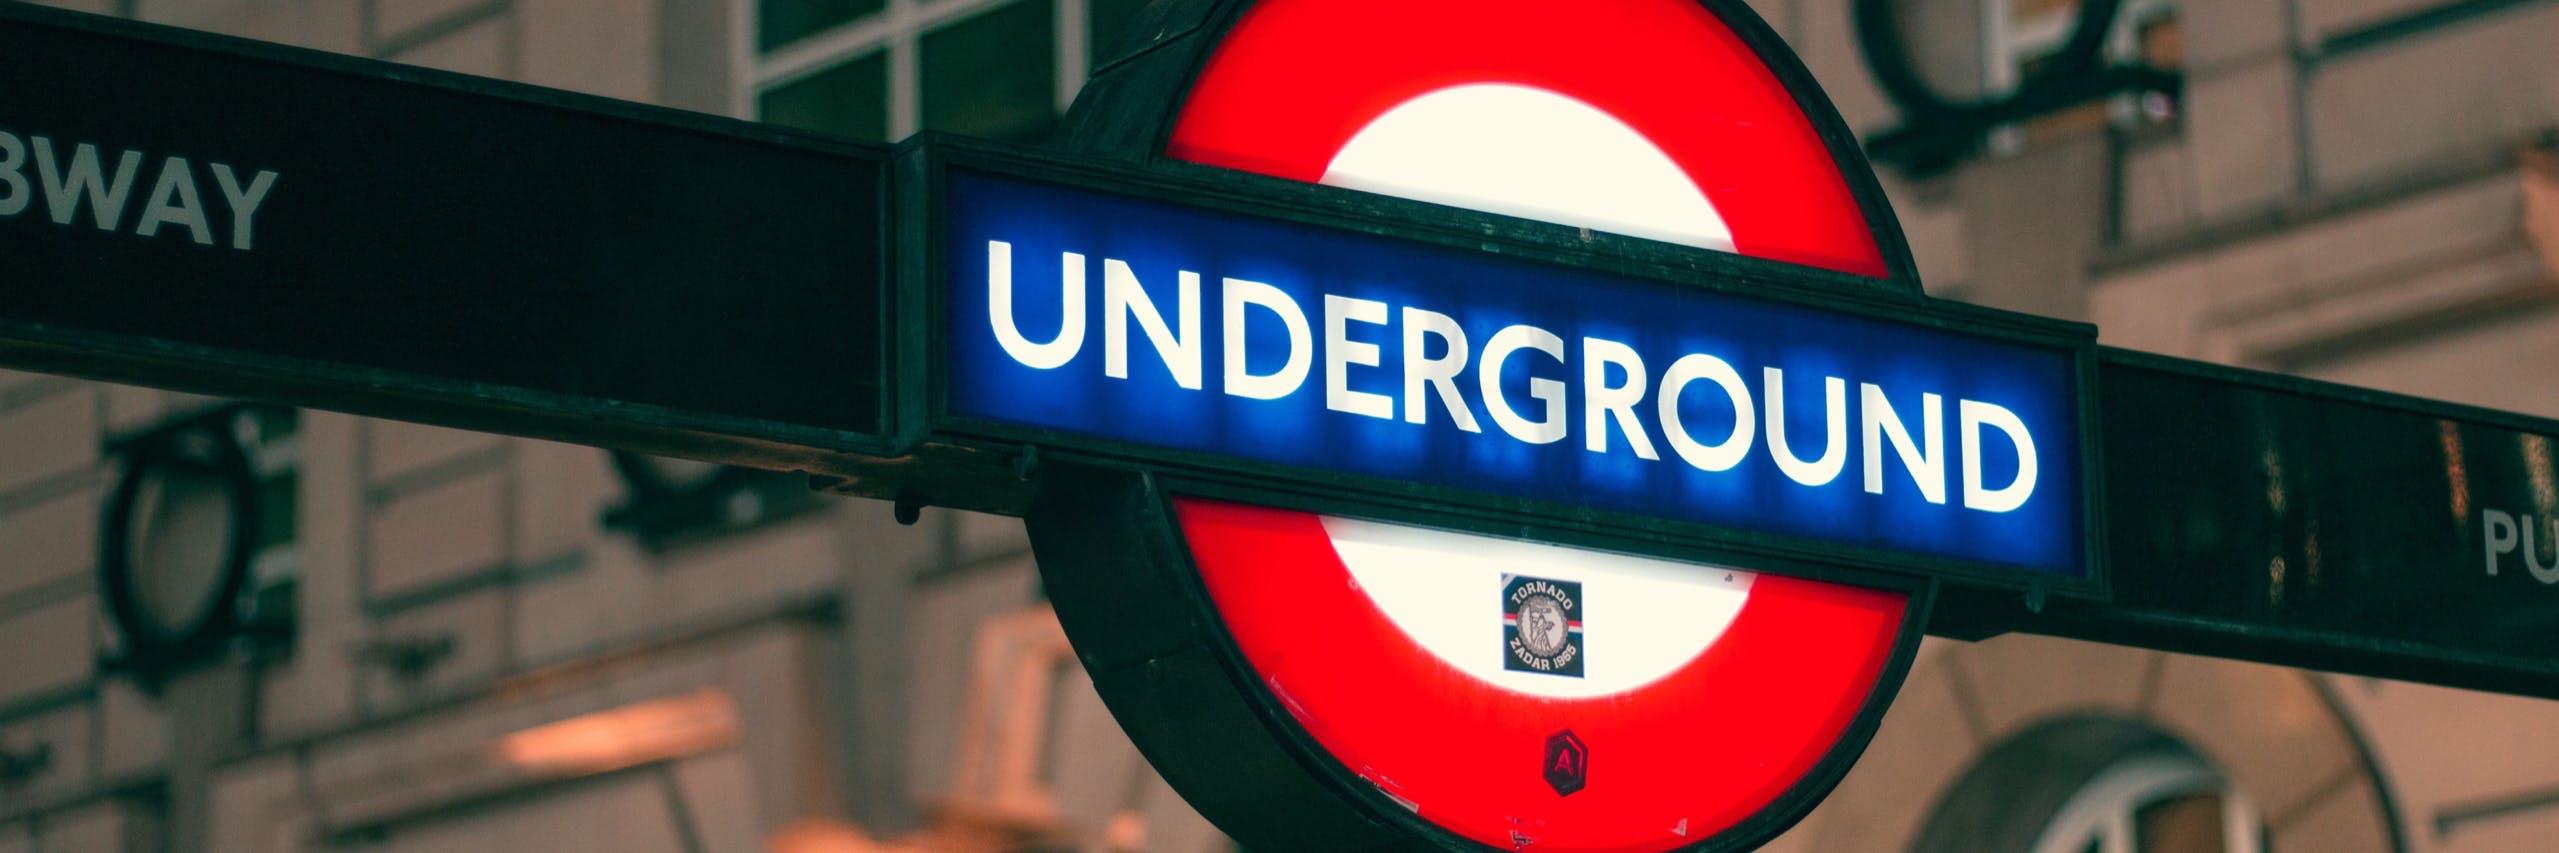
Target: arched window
[(2168, 801), (2093, 785)]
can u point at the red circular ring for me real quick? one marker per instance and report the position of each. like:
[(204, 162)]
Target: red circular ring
[(1295, 79)]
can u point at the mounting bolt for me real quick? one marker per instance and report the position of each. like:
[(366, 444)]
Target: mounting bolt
[(1026, 464), (910, 507)]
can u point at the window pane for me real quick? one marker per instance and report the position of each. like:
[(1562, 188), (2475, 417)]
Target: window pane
[(846, 100), (2186, 824), (1112, 20), (780, 22), (279, 501), (992, 75), (2163, 44)]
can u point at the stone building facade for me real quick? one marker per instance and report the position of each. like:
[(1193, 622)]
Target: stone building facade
[(502, 643)]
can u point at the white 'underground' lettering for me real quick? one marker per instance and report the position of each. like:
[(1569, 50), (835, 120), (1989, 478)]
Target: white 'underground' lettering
[(1614, 383), (1240, 380)]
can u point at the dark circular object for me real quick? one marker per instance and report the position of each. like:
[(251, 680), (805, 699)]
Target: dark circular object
[(155, 642)]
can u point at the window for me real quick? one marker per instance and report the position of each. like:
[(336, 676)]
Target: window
[(994, 75), (879, 70), (781, 22), (2092, 784), (845, 100), (2022, 36), (2164, 802)]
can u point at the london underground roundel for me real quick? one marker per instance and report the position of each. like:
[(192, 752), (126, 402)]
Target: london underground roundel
[(1371, 685)]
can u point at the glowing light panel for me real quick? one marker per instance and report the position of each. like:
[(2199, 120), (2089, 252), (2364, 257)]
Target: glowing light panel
[(1163, 325)]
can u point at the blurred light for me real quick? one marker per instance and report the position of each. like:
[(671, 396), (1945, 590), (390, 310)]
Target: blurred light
[(2545, 481), (945, 835), (2310, 553), (2272, 462), (822, 835), (2545, 486), (1126, 831), (2158, 107), (2456, 469), (621, 737), (2541, 201)]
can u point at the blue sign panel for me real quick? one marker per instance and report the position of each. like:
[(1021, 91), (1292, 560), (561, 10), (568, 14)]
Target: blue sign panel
[(1165, 325)]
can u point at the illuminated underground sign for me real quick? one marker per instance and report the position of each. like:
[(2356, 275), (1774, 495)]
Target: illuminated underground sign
[(1377, 525), (1163, 325)]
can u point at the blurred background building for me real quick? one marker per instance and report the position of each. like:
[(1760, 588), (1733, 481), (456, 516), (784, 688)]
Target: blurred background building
[(460, 641)]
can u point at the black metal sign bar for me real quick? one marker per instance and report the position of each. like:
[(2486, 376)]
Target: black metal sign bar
[(209, 214), (2284, 520), (206, 213)]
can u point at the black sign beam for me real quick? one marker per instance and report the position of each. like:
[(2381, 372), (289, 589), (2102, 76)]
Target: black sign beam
[(2305, 523), (218, 215), (210, 214)]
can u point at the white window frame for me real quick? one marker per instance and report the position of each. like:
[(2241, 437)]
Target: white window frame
[(2103, 811), (895, 29)]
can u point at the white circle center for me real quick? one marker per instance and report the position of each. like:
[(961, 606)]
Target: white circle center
[(1531, 153), (1642, 619)]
